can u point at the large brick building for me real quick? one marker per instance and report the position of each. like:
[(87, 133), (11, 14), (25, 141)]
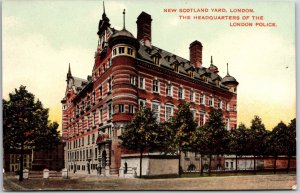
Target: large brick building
[(128, 73)]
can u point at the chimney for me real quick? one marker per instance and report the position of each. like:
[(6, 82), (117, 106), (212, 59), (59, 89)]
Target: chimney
[(196, 54), (144, 29)]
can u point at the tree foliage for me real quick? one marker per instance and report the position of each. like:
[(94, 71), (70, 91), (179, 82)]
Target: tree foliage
[(141, 134), (26, 124)]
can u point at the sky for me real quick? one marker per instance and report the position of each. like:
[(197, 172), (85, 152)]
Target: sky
[(41, 38)]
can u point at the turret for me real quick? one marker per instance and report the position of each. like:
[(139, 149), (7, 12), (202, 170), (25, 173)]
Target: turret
[(230, 82)]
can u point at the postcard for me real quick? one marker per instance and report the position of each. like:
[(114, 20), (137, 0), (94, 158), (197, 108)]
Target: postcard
[(149, 95)]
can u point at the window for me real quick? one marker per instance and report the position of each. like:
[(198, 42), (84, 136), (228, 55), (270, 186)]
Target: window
[(110, 109), (176, 68), (141, 83), (204, 78), (169, 90), (156, 60), (115, 51), (181, 93), (109, 62), (220, 104), (83, 141), (211, 101), (132, 80), (169, 112), (100, 115), (79, 142), (226, 164), (155, 109), (121, 50), (202, 99), (234, 107), (121, 108), (96, 153), (155, 86), (142, 103), (192, 96), (109, 85), (131, 109), (129, 51), (227, 106), (94, 118), (202, 119), (191, 74), (227, 124), (93, 138), (100, 91), (88, 140)]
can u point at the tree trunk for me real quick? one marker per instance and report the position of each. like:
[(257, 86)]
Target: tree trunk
[(141, 158), (179, 163), (209, 168), (21, 163), (236, 163), (289, 164), (274, 166), (254, 165)]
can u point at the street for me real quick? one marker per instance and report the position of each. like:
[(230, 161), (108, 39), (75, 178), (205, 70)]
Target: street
[(248, 182)]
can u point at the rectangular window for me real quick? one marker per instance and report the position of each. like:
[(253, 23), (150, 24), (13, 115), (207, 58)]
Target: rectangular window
[(169, 90), (227, 124), (96, 153), (202, 99), (100, 115), (141, 83), (130, 51), (101, 91), (132, 80), (192, 96), (121, 50), (201, 119), (109, 85), (220, 104), (155, 109), (88, 140), (142, 103), (93, 138), (226, 164), (155, 87), (227, 106), (108, 62), (131, 109), (115, 51), (110, 109), (83, 141), (121, 108), (211, 101), (234, 107), (181, 93), (156, 60), (169, 112)]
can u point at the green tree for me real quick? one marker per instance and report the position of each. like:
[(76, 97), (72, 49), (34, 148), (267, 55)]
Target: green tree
[(216, 134), (141, 134), (277, 142), (257, 139), (238, 142), (200, 144), (291, 145), (183, 126), (26, 125)]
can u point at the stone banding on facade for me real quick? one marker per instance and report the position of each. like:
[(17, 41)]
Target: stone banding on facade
[(128, 73)]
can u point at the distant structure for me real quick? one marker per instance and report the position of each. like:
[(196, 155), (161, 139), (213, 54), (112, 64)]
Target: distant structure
[(129, 73)]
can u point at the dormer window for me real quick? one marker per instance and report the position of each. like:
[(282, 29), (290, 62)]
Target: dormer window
[(156, 60), (217, 82), (204, 78), (191, 74), (176, 68)]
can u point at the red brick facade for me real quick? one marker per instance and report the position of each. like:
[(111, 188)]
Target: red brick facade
[(130, 72)]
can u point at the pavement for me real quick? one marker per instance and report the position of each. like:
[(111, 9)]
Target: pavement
[(83, 182)]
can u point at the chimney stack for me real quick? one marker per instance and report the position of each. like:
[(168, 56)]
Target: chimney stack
[(196, 54), (144, 29)]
